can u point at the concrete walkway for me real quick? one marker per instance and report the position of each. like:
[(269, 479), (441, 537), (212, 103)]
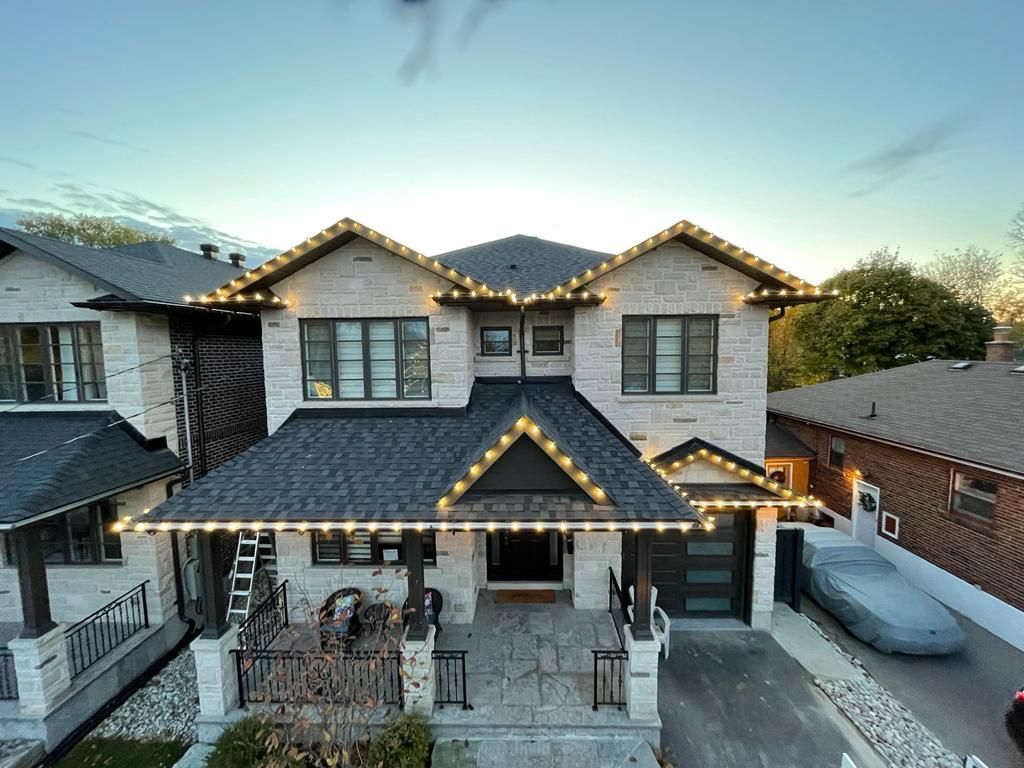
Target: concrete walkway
[(961, 698), (594, 753), (738, 700)]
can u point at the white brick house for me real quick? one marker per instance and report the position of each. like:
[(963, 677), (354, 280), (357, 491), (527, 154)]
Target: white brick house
[(517, 415)]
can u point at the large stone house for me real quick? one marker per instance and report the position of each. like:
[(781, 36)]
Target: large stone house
[(92, 430), (519, 414)]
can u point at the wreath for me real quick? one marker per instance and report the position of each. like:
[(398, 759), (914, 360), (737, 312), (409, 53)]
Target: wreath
[(867, 501)]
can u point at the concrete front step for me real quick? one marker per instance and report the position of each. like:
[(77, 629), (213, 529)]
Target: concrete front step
[(543, 753)]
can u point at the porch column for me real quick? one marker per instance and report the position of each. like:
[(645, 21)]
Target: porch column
[(762, 597), (215, 664), (642, 585), (41, 663), (418, 640)]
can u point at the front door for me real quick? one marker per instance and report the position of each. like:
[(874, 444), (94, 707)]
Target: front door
[(864, 511), (525, 555)]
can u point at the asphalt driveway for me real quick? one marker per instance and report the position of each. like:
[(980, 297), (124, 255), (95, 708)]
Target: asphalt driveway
[(738, 700), (961, 698)]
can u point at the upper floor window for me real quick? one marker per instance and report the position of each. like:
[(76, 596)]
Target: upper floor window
[(669, 354), (836, 451), (56, 362), (377, 548), (973, 496), (83, 536), (496, 341), (548, 340), (366, 359)]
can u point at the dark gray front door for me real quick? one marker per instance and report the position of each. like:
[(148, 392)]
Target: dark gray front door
[(524, 556)]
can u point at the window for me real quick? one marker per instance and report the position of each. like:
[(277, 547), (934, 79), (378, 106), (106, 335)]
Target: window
[(52, 363), (339, 548), (495, 341), (548, 340), (669, 354), (83, 536), (973, 496), (366, 359), (836, 452)]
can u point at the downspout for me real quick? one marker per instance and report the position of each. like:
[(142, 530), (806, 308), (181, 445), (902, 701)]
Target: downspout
[(782, 314), (522, 344)]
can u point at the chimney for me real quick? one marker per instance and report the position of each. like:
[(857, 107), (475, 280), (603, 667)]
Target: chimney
[(209, 250), (237, 259), (1000, 349)]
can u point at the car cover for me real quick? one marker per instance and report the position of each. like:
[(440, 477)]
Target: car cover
[(873, 601)]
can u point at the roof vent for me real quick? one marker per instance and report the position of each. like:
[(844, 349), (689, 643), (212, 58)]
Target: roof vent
[(209, 250), (511, 266), (237, 259), (961, 366)]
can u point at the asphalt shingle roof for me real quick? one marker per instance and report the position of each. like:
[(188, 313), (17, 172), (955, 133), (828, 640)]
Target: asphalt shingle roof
[(975, 414), (344, 465), (110, 458), (780, 443), (539, 264), (145, 271)]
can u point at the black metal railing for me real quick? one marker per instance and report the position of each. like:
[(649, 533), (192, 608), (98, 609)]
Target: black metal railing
[(609, 678), (265, 623), (101, 632), (8, 680), (294, 677), (450, 678), (617, 602)]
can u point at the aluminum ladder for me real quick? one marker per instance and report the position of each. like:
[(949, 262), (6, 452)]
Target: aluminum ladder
[(255, 549)]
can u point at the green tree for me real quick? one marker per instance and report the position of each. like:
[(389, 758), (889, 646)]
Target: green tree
[(91, 231), (786, 368), (972, 273), (888, 315)]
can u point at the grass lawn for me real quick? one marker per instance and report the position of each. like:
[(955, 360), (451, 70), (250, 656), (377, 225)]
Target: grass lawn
[(112, 753)]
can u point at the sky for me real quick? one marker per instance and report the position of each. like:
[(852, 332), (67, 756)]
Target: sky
[(807, 133)]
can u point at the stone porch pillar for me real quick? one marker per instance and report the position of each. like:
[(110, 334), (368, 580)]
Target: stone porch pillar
[(418, 672), (642, 677), (593, 554), (215, 665), (762, 597)]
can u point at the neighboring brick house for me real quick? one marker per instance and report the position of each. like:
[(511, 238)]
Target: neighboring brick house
[(519, 413), (92, 432), (926, 462)]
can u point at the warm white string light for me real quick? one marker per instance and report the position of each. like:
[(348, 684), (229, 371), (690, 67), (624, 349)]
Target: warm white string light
[(442, 526)]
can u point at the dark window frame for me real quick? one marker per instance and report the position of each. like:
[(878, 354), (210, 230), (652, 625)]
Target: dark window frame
[(100, 537), (831, 453), (376, 549), (10, 338), (332, 326), (651, 356), (964, 513), (483, 347), (561, 340)]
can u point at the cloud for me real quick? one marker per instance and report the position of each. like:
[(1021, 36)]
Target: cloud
[(909, 155), (108, 141), (14, 161)]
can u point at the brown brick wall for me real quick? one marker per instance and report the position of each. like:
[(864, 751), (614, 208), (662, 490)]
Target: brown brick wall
[(915, 488), (232, 411)]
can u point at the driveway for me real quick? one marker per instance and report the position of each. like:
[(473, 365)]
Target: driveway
[(960, 698), (738, 700)]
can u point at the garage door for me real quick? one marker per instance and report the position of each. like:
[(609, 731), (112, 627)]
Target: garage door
[(702, 574)]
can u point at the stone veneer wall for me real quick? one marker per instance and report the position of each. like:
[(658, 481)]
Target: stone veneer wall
[(762, 598), (456, 575), (674, 279), (78, 590), (594, 554), (362, 280), (536, 365)]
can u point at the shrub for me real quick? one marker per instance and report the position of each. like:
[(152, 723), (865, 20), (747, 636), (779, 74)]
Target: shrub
[(405, 743), (245, 744)]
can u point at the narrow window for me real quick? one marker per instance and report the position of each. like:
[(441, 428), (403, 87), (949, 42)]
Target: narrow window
[(496, 341), (836, 452), (364, 548), (669, 354), (973, 496), (548, 340)]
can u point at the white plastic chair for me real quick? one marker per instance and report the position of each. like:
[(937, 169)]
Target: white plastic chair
[(661, 625)]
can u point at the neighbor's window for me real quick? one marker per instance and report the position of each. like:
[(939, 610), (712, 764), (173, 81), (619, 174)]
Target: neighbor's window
[(669, 354), (495, 341), (973, 496), (836, 452), (366, 359), (53, 363), (548, 340), (83, 536), (380, 548)]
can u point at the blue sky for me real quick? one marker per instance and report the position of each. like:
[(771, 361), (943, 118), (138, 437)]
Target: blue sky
[(808, 133)]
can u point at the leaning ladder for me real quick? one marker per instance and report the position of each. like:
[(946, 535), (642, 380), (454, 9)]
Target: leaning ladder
[(254, 550)]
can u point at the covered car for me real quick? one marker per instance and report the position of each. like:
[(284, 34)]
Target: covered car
[(874, 602)]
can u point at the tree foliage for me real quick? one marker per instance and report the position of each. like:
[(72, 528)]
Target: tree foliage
[(972, 273), (888, 315), (91, 231)]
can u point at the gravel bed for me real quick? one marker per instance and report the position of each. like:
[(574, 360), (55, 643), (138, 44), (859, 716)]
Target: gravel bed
[(890, 727), (163, 710)]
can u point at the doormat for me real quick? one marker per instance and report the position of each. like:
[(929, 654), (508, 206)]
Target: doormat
[(525, 596)]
